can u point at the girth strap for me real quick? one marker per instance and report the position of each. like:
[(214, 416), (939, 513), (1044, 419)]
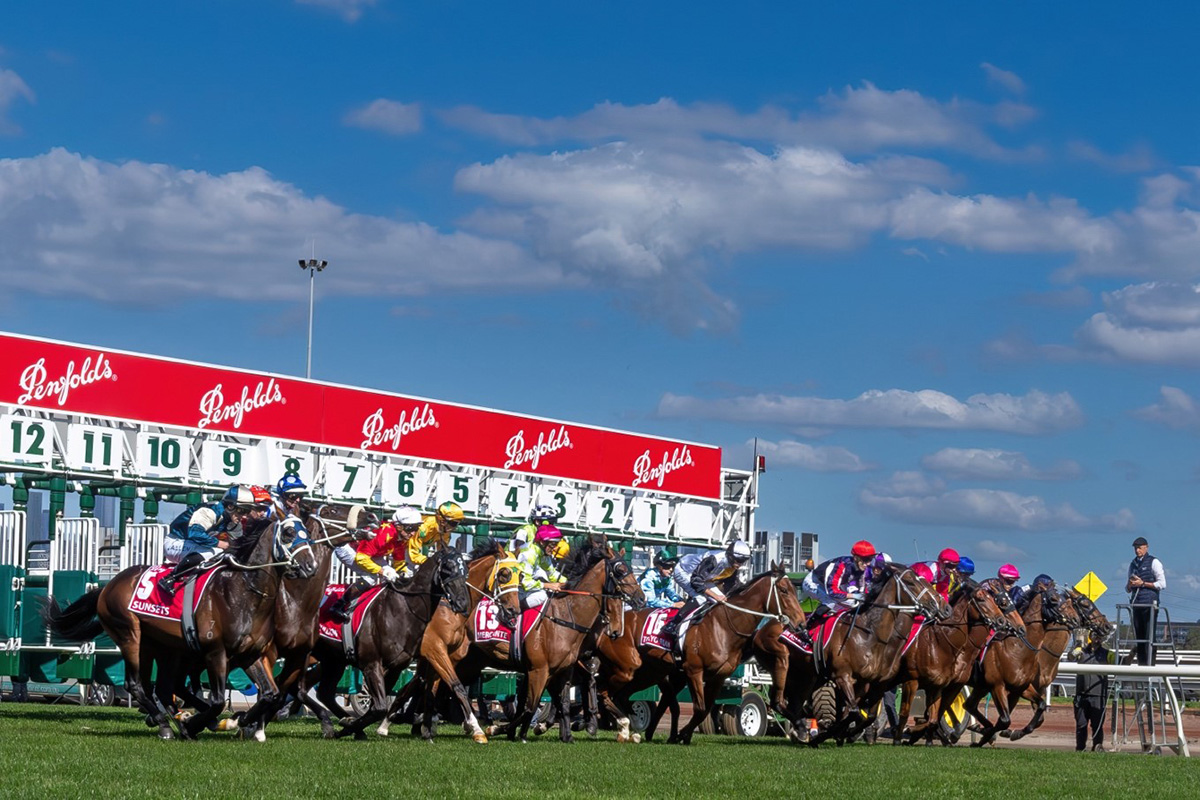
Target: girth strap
[(188, 619)]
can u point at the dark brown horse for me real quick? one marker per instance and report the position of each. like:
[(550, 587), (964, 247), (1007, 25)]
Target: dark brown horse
[(234, 623), (714, 647), (941, 658), (598, 582), (389, 637), (1012, 664)]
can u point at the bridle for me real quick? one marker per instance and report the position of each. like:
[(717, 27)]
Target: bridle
[(925, 601)]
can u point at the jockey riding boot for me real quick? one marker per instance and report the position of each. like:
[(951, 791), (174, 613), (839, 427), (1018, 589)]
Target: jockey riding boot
[(671, 628), (341, 610), (818, 616), (166, 584)]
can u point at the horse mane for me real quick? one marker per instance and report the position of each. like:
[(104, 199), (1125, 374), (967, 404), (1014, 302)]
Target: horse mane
[(243, 547), (488, 547), (879, 578), (967, 586), (593, 550)]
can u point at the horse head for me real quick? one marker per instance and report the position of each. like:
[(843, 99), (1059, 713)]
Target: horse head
[(292, 548), (451, 580), (912, 588), (983, 605), (336, 525), (503, 585), (787, 602), (619, 582), (1090, 616)]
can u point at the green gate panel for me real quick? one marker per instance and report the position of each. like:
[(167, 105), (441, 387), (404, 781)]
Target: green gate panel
[(10, 598)]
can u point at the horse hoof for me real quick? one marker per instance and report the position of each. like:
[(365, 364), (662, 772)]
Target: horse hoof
[(622, 738), (359, 736), (228, 725), (329, 734), (382, 730), (479, 738), (636, 738), (260, 735), (540, 728), (165, 734)]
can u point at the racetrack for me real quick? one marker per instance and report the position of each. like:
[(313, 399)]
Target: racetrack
[(57, 751)]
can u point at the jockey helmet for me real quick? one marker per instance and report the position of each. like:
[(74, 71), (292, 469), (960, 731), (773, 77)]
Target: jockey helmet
[(261, 496), (562, 549), (291, 484), (521, 535), (1043, 580), (966, 566), (547, 533), (239, 496), (406, 515), (665, 559), (544, 515), (1009, 572), (923, 571), (863, 549), (450, 512), (948, 556), (738, 551)]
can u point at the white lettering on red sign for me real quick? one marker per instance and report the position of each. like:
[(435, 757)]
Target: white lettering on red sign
[(215, 409), (375, 432), (644, 473), (33, 379), (519, 454)]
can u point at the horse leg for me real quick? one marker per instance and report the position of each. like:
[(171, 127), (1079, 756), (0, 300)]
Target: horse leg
[(373, 678), (1038, 700), (217, 666), (1000, 695), (561, 690), (700, 705), (536, 683), (907, 691), (327, 700)]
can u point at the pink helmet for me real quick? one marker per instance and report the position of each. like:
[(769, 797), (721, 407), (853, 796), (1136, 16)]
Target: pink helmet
[(948, 556), (1009, 571), (924, 571), (547, 533)]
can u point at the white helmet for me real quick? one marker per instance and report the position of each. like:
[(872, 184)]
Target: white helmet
[(738, 550), (521, 535), (407, 515)]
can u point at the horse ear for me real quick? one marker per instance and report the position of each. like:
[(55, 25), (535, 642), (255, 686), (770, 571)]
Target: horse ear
[(776, 566)]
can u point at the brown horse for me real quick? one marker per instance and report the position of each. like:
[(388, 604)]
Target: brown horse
[(598, 582), (447, 638), (234, 623), (714, 647), (1012, 664), (862, 656), (941, 658)]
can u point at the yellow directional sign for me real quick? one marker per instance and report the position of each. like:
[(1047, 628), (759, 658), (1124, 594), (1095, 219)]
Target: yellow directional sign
[(1091, 586)]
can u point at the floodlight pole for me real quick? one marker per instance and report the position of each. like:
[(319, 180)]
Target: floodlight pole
[(313, 266)]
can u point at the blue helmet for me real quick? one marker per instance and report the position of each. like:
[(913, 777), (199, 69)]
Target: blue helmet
[(966, 566), (291, 484)]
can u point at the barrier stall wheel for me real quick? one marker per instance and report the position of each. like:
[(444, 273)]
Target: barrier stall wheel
[(100, 694), (360, 703), (753, 715), (639, 716)]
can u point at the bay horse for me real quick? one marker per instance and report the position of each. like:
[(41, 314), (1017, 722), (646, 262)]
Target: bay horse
[(943, 655), (862, 655), (234, 623), (1012, 664), (598, 583), (389, 636), (491, 574), (714, 647)]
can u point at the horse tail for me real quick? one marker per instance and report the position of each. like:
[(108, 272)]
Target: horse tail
[(77, 622)]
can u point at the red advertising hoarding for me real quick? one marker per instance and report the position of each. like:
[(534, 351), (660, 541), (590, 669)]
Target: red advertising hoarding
[(58, 376)]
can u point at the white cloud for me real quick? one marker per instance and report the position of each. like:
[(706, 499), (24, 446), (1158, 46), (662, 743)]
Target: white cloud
[(1008, 81), (1033, 413), (349, 10), (979, 464), (1156, 322), (388, 116), (986, 509), (1000, 551), (1139, 158), (156, 233), (1175, 409), (789, 453), (12, 88)]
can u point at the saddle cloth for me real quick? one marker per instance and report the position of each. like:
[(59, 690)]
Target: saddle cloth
[(149, 601), (331, 628), (489, 628), (795, 641), (652, 629)]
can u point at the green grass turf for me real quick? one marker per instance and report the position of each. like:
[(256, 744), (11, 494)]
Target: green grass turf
[(63, 751)]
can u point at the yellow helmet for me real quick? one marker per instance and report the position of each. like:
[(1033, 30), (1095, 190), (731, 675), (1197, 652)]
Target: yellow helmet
[(450, 511), (562, 549)]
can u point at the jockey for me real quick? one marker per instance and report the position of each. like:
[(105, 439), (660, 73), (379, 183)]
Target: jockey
[(656, 582), (539, 516), (291, 490), (1021, 600), (966, 567), (435, 530), (536, 567), (697, 577), (841, 583), (209, 530), (1006, 582), (383, 557), (945, 572)]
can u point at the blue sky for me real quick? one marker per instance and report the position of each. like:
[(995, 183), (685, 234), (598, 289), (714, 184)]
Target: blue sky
[(940, 261)]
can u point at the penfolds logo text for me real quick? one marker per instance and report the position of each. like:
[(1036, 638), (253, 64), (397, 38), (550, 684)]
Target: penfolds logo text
[(216, 410), (377, 432), (36, 386), (518, 453), (645, 471)]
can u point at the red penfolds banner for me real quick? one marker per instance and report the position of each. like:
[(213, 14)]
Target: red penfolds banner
[(110, 383)]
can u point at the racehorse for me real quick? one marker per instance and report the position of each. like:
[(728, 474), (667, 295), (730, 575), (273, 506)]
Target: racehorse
[(598, 582), (297, 604), (1011, 665), (941, 658), (714, 647), (389, 635), (234, 622), (448, 636), (862, 653)]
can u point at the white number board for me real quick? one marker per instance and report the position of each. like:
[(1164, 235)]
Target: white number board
[(347, 478), (693, 521), (507, 498), (26, 441), (651, 515), (605, 510), (228, 462), (160, 455), (284, 461), (564, 500), (405, 486), (462, 489), (94, 448)]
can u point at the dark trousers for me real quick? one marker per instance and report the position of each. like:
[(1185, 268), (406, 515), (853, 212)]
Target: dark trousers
[(1089, 711), (1144, 620)]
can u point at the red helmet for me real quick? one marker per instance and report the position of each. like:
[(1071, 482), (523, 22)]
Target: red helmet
[(863, 549), (948, 556), (1010, 572), (922, 569)]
